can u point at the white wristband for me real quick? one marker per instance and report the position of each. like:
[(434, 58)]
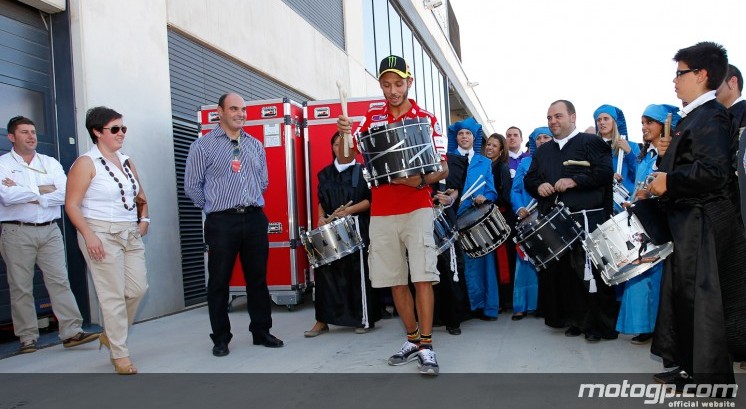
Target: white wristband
[(145, 219)]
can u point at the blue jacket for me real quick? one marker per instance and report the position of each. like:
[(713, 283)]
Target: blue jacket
[(479, 165), (519, 197)]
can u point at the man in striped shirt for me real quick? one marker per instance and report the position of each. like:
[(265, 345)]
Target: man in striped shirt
[(226, 175)]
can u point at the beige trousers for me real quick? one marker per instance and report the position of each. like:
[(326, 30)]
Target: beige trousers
[(120, 278), (21, 248)]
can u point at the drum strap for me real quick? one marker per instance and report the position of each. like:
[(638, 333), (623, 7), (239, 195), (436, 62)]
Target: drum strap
[(363, 292), (355, 175), (454, 264), (587, 271)]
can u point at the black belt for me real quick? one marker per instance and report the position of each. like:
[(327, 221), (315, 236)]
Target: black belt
[(241, 209), (29, 224)]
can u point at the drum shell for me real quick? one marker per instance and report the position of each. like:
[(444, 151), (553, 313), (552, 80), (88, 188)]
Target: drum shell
[(398, 150), (485, 234), (547, 238), (614, 248), (445, 235), (332, 241), (653, 219)]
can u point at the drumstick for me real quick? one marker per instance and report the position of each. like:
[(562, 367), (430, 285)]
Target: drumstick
[(619, 161), (330, 217), (467, 195), (343, 101), (469, 191), (667, 126), (576, 163)]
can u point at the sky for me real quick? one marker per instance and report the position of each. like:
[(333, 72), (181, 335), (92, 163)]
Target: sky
[(527, 54)]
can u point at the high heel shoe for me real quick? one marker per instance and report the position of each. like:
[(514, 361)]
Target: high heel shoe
[(127, 369), (103, 341)]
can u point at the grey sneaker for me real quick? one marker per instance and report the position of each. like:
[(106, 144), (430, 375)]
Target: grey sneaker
[(406, 354), (428, 362)]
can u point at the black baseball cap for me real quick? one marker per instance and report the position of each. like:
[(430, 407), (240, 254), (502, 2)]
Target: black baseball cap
[(396, 64)]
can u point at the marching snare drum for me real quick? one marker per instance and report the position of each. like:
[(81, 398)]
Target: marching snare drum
[(398, 150), (547, 238), (482, 229), (331, 241), (445, 235), (622, 249)]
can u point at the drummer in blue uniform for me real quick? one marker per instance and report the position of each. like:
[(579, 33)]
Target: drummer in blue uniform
[(612, 127), (464, 138)]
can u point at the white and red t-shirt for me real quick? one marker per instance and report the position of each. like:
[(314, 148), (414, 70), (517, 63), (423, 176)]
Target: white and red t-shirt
[(390, 199)]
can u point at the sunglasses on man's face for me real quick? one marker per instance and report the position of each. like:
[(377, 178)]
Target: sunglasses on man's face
[(115, 129)]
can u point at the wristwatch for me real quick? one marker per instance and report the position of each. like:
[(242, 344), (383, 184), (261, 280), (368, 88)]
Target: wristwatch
[(422, 182)]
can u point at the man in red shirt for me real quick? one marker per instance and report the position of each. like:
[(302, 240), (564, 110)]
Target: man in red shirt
[(401, 223)]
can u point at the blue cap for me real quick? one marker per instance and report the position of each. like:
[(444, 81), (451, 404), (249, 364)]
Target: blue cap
[(616, 114), (470, 124), (659, 112), (532, 138)]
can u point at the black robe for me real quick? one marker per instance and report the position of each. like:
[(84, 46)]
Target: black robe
[(703, 278), (738, 121), (564, 298), (339, 293)]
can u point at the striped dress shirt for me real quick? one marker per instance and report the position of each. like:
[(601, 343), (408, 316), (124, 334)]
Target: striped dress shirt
[(211, 183)]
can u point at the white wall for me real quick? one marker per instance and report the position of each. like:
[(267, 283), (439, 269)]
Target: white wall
[(120, 58), (272, 38)]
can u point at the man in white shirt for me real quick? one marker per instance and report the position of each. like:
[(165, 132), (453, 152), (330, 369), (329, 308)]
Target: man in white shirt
[(32, 193)]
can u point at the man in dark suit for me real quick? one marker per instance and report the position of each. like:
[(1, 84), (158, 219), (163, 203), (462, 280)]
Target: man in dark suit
[(729, 94), (700, 311)]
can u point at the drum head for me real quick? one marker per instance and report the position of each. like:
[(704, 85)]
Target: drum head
[(474, 215)]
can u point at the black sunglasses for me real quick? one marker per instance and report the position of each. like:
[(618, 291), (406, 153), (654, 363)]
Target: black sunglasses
[(682, 72), (115, 129)]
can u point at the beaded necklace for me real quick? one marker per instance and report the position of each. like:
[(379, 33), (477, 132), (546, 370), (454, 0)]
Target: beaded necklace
[(121, 187)]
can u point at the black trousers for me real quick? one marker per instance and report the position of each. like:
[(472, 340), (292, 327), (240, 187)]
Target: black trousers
[(228, 235)]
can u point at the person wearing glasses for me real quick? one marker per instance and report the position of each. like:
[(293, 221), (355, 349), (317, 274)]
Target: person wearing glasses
[(702, 307), (32, 194), (102, 200), (226, 176)]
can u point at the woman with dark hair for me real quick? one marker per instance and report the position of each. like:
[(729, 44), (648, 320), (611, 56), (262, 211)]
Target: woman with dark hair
[(340, 299), (496, 150), (106, 204), (641, 294)]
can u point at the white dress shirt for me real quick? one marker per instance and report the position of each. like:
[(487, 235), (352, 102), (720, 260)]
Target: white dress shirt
[(43, 170), (464, 152)]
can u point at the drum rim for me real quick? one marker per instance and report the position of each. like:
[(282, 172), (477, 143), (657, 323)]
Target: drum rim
[(391, 126), (483, 218), (580, 230), (338, 256), (666, 249)]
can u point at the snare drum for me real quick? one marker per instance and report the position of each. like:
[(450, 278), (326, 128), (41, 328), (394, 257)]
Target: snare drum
[(398, 150), (621, 195), (547, 238), (482, 229), (331, 241), (622, 249), (445, 235)]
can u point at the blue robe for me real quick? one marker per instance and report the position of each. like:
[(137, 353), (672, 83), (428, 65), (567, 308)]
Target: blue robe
[(629, 166), (641, 294), (526, 286), (481, 273)]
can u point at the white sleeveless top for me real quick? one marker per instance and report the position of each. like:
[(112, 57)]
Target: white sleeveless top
[(103, 199)]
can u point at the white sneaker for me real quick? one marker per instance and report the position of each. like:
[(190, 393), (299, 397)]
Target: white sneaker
[(406, 354), (428, 362)]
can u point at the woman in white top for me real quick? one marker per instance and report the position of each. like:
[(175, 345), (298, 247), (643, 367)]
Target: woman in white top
[(100, 202)]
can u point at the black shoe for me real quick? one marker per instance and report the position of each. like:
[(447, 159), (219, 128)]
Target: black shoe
[(453, 330), (385, 314), (267, 339), (592, 336), (670, 377), (573, 332), (642, 338), (220, 349), (519, 316), (610, 335)]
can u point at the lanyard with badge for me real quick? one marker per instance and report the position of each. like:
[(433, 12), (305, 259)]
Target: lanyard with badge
[(28, 166), (236, 162)]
